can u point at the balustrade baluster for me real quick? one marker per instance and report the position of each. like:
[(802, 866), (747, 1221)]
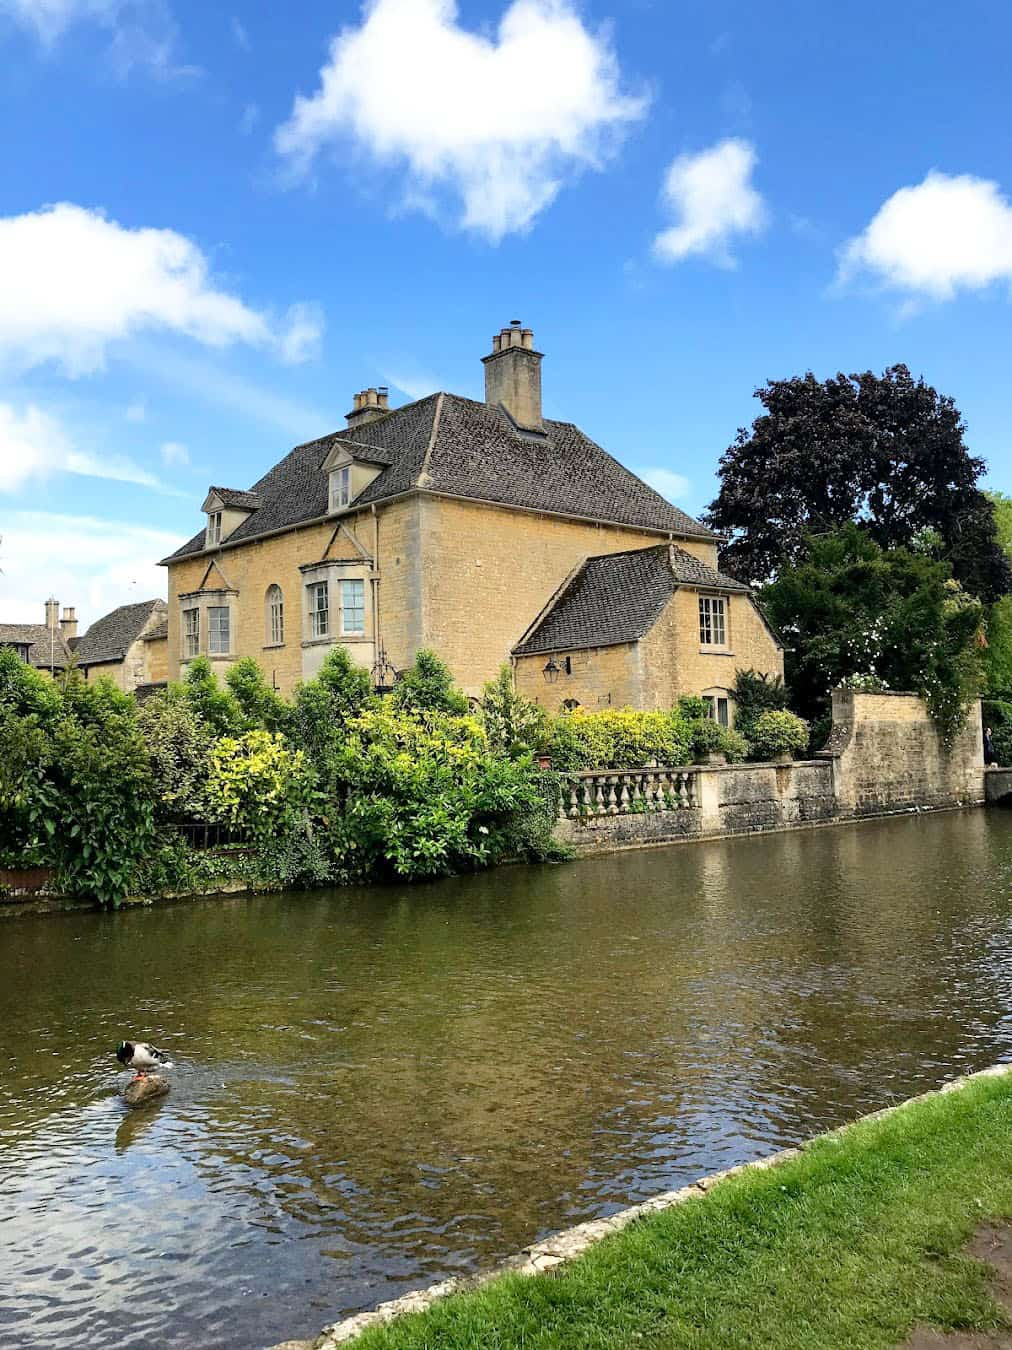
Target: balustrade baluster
[(599, 802)]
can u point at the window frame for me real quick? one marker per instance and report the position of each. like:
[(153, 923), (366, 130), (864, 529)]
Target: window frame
[(275, 616), (340, 487), (213, 528), (191, 640), (713, 621), (314, 590), (214, 633), (344, 584)]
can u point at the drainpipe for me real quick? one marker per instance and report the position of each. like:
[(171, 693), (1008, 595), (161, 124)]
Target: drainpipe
[(376, 636)]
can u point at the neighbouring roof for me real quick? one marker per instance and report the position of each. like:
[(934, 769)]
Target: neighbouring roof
[(36, 636), (462, 448), (158, 633), (109, 638), (618, 597)]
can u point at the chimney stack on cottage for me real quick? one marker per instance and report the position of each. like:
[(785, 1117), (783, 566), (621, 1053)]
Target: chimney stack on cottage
[(369, 404), (513, 377), (68, 624), (52, 614)]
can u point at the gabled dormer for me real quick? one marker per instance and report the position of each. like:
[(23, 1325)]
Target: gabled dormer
[(350, 468), (226, 509)]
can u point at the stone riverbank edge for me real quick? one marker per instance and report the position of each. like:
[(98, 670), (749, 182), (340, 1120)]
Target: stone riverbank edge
[(551, 1253)]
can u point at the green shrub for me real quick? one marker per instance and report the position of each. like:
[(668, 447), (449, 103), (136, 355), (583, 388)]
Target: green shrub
[(618, 739), (513, 724), (179, 744), (260, 707), (427, 686), (778, 733), (694, 708), (755, 693), (215, 706), (710, 738)]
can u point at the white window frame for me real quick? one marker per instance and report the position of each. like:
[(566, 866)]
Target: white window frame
[(319, 615), (712, 621), (340, 487), (718, 708), (352, 585), (275, 616), (218, 631), (213, 528), (191, 633)]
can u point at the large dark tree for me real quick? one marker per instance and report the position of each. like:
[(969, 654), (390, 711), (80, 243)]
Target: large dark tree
[(885, 450)]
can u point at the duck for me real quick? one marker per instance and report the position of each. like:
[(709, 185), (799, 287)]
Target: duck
[(140, 1055)]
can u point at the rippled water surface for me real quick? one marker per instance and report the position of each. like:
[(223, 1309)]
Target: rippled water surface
[(377, 1088)]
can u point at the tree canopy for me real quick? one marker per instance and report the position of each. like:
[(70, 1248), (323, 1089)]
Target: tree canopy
[(850, 608), (885, 450)]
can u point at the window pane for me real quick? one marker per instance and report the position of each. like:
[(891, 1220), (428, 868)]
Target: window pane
[(722, 715), (275, 616), (218, 630), (319, 609), (353, 606), (191, 632), (705, 632)]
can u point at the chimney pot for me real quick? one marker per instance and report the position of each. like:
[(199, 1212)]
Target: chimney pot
[(52, 614), (68, 624), (369, 403)]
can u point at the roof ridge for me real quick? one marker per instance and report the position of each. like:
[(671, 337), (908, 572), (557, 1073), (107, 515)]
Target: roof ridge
[(423, 474)]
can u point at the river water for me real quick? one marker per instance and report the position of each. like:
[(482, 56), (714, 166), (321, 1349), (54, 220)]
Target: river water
[(377, 1088)]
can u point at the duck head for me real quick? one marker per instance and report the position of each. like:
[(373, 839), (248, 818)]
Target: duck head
[(125, 1052)]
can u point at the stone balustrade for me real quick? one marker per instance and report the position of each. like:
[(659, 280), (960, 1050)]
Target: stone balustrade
[(627, 792)]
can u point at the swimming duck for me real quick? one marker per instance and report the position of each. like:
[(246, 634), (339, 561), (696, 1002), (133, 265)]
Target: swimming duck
[(141, 1056)]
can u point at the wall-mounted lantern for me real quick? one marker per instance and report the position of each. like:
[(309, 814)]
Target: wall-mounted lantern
[(552, 671)]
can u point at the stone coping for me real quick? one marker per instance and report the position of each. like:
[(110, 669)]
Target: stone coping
[(554, 1251)]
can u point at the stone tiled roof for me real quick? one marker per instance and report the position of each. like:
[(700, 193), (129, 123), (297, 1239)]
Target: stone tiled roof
[(158, 633), (109, 637), (36, 636), (463, 448), (245, 501), (618, 597)]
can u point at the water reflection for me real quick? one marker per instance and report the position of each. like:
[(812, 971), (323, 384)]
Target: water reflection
[(375, 1089)]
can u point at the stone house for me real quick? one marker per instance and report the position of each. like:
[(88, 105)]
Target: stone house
[(462, 526), (129, 646), (47, 646)]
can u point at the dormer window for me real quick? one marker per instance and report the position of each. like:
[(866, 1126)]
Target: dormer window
[(340, 488), (213, 529)]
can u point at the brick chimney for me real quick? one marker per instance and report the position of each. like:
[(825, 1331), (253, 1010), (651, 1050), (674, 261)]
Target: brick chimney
[(513, 377), (52, 615), (68, 624), (369, 404)]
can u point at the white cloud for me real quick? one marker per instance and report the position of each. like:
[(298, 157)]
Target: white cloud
[(302, 334), (34, 444), (73, 282), (175, 455), (415, 383), (90, 563), (498, 122), (712, 197), (143, 32), (674, 486), (240, 34), (944, 235)]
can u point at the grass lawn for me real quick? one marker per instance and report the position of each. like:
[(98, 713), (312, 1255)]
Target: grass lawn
[(848, 1245)]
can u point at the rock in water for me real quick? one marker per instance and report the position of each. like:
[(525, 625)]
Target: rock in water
[(146, 1089)]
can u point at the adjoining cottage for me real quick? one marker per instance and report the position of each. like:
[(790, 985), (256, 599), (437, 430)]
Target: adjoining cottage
[(129, 645), (452, 524), (641, 628)]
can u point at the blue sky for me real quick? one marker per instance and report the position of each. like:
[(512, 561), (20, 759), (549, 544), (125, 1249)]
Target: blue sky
[(217, 222)]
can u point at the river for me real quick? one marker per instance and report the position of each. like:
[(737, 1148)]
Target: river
[(376, 1088)]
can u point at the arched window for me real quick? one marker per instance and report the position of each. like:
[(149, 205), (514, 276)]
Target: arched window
[(570, 704), (275, 616)]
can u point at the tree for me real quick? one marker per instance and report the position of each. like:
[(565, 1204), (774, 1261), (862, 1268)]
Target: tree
[(427, 686), (513, 724), (887, 451), (850, 607)]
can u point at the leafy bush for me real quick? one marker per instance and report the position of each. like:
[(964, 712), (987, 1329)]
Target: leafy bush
[(215, 706), (325, 705), (754, 693), (427, 686), (864, 683), (513, 724), (710, 738), (694, 708), (173, 867), (179, 744), (424, 796), (618, 739), (777, 733), (260, 707)]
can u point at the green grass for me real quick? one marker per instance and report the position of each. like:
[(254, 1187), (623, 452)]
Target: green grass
[(848, 1245)]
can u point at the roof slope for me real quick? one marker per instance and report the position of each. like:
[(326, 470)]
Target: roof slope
[(618, 597), (109, 637), (37, 637), (447, 444)]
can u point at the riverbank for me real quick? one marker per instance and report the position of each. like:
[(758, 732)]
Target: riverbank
[(853, 1240)]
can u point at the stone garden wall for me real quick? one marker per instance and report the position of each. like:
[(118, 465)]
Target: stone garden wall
[(883, 756)]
